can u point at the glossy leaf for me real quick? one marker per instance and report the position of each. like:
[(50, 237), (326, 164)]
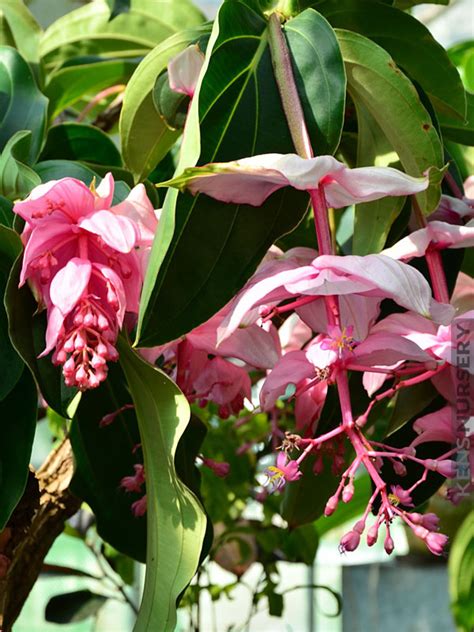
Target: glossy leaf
[(410, 44), (18, 420), (90, 31), (459, 131), (11, 365), (176, 521), (22, 104), (6, 212), (461, 574), (71, 83), (103, 456), (74, 606), (57, 169), (238, 87), (372, 220), (145, 137), (23, 28), (375, 81), (16, 178), (75, 141), (27, 330)]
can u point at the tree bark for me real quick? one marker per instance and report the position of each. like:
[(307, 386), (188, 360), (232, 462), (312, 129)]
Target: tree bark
[(34, 525)]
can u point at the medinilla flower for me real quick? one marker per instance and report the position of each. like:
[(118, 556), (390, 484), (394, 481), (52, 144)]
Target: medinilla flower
[(85, 260), (184, 69)]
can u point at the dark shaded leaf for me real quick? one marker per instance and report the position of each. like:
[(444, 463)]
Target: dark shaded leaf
[(73, 606), (75, 141), (18, 418)]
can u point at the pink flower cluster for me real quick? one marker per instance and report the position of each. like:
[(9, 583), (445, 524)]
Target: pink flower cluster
[(328, 309), (85, 259)]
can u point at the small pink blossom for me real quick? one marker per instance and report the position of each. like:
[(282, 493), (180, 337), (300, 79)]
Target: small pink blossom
[(220, 468), (402, 496), (134, 483), (139, 507), (436, 542), (285, 471)]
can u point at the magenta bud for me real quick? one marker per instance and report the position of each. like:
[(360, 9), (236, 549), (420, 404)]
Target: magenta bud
[(430, 521), (359, 527), (372, 534), (349, 541), (399, 468), (388, 545), (348, 492), (331, 505), (436, 542)]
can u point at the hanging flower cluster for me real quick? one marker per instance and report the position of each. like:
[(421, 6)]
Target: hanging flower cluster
[(85, 259), (332, 326)]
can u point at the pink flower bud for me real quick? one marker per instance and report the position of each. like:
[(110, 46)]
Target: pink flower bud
[(388, 544), (348, 492), (331, 505), (399, 468), (349, 541), (436, 542), (139, 507), (372, 534), (359, 527), (430, 521), (220, 469)]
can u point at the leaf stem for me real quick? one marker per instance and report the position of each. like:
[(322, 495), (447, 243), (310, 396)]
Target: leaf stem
[(287, 88)]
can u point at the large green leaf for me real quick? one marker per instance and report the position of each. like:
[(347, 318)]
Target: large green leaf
[(27, 329), (22, 105), (461, 575), (459, 131), (374, 80), (372, 220), (212, 248), (16, 178), (23, 28), (91, 31), (145, 137), (71, 83), (176, 520), (75, 141), (410, 44), (18, 419), (103, 456), (11, 365)]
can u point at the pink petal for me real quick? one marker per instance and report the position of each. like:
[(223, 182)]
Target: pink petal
[(69, 284), (440, 233), (385, 349), (291, 369), (373, 381), (437, 426), (105, 192), (252, 180), (117, 232), (43, 237), (138, 208), (395, 280), (103, 272), (53, 330), (68, 195), (184, 69)]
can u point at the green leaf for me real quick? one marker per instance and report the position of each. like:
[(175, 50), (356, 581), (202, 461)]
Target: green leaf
[(27, 329), (103, 456), (462, 56), (71, 83), (6, 212), (56, 169), (73, 606), (75, 141), (409, 43), (16, 178), (374, 80), (461, 574), (23, 105), (145, 137), (320, 77), (458, 131), (407, 4), (18, 417), (176, 521), (372, 220), (23, 28), (11, 365), (213, 248), (90, 31)]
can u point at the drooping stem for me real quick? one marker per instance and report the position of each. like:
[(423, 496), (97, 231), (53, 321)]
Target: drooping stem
[(287, 88), (433, 260)]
